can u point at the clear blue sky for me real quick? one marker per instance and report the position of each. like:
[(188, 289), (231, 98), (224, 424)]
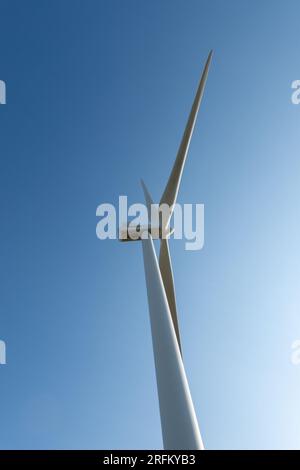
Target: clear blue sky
[(98, 93)]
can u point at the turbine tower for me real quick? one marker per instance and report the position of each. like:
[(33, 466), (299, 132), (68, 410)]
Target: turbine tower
[(179, 424)]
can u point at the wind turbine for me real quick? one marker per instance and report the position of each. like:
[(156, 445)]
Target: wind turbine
[(179, 424)]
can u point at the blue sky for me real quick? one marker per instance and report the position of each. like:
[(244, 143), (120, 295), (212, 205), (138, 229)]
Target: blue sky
[(98, 93)]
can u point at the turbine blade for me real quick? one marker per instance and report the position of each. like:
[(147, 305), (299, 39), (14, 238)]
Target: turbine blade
[(165, 266), (178, 418), (170, 193), (148, 198)]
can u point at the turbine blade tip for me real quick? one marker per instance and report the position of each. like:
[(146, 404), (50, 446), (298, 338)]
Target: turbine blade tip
[(210, 55)]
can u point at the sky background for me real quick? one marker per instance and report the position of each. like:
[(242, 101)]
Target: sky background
[(98, 93)]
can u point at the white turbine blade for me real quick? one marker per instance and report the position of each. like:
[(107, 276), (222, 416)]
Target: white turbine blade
[(170, 193), (178, 419), (166, 270), (165, 266), (148, 198)]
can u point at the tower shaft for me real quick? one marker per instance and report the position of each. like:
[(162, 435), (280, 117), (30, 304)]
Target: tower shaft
[(178, 418)]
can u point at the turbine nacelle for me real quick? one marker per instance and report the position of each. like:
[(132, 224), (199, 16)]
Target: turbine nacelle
[(139, 232)]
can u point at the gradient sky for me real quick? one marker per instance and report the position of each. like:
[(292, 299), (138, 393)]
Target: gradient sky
[(98, 93)]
